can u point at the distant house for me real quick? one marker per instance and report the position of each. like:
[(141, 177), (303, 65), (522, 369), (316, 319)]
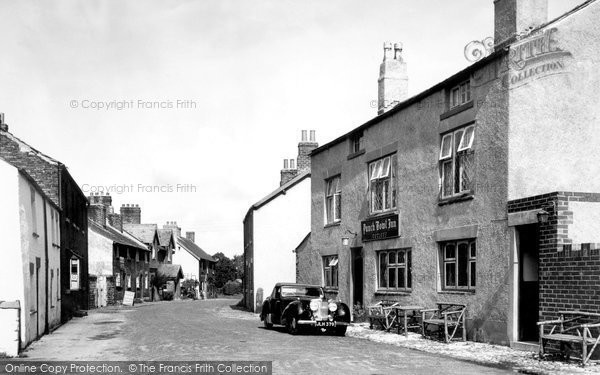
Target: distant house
[(161, 243), (118, 262), (195, 262), (30, 277), (172, 274), (274, 226), (54, 179)]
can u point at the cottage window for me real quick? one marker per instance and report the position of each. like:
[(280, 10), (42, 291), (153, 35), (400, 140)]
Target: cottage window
[(128, 277), (356, 143), (382, 184), (118, 279), (460, 94), (333, 200), (456, 162), (75, 274), (330, 271), (459, 264), (395, 269)]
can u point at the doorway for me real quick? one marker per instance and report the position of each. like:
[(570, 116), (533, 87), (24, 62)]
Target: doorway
[(528, 284), (357, 276)]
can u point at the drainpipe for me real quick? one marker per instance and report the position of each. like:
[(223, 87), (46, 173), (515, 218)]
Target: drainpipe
[(46, 326)]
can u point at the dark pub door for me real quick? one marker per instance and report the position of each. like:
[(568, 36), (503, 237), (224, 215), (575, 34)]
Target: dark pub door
[(357, 275), (528, 282)]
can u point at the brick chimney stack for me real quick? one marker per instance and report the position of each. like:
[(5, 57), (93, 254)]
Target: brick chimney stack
[(393, 78), (131, 214), (305, 147), (191, 236), (97, 213), (3, 125), (115, 221), (172, 225), (516, 16), (288, 172)]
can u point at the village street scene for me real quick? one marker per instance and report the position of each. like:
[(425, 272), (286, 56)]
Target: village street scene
[(199, 188)]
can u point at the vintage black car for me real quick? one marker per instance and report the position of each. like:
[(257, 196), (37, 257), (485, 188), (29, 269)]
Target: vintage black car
[(301, 307)]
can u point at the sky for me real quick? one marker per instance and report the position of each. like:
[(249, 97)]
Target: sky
[(188, 108)]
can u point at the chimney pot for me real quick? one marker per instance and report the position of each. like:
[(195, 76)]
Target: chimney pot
[(312, 136), (304, 139), (292, 164)]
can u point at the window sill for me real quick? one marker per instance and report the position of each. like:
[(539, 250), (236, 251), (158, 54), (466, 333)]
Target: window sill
[(457, 198), (456, 110), (393, 292), (458, 292), (376, 215), (330, 289), (356, 154), (336, 224)]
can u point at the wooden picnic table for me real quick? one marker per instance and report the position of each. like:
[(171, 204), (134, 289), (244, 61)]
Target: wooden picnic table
[(402, 312)]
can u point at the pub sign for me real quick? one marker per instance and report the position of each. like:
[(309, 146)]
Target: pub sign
[(380, 228)]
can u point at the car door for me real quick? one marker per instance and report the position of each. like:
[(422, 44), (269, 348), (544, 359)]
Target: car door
[(276, 305)]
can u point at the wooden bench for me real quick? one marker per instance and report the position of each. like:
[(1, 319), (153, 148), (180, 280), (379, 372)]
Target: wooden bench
[(383, 314), (449, 316), (571, 332)]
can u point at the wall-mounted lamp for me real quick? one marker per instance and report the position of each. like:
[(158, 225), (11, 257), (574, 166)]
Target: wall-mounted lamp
[(346, 239), (544, 214)]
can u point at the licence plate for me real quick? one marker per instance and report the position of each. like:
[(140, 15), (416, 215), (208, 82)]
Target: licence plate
[(325, 324)]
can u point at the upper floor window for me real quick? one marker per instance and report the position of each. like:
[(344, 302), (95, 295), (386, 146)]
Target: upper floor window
[(382, 184), (330, 271), (333, 200), (460, 94), (459, 264), (457, 162), (356, 143)]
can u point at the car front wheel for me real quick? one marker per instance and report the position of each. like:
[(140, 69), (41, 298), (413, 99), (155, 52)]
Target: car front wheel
[(266, 322), (340, 331), (292, 326)]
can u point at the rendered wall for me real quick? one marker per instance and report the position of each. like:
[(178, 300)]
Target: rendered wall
[(12, 274), (555, 109), (414, 134), (189, 264), (279, 226)]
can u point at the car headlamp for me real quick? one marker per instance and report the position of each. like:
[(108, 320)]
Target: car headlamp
[(314, 305), (332, 306)]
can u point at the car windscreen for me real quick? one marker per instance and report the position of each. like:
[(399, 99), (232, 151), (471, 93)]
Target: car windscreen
[(287, 291)]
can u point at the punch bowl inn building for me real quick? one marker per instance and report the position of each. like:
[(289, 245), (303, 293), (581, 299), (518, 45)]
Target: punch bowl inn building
[(483, 190)]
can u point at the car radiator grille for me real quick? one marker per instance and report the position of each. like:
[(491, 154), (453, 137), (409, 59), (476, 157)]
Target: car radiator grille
[(323, 311)]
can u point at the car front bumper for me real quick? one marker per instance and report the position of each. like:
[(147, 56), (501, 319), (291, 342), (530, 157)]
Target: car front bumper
[(313, 323)]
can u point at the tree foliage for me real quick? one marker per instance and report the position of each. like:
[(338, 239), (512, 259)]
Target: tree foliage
[(224, 270)]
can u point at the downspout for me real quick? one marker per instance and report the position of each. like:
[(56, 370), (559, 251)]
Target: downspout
[(46, 323)]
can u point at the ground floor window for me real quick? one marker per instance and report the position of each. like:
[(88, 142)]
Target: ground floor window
[(459, 264), (395, 269), (330, 270)]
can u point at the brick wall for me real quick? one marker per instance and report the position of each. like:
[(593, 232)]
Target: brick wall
[(569, 274)]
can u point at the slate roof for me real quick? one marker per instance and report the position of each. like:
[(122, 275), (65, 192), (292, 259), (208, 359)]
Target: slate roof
[(143, 232), (194, 249), (171, 270), (164, 236), (112, 233)]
